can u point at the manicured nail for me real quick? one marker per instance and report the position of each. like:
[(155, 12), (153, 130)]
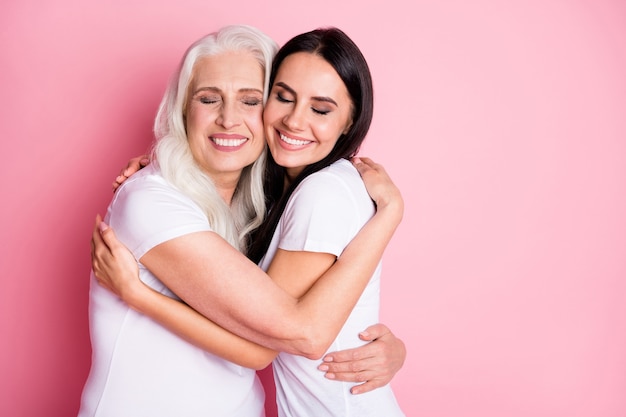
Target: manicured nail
[(364, 334), (328, 359), (323, 367), (103, 226), (329, 375)]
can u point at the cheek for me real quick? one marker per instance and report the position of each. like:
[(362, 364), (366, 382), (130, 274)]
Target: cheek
[(192, 119), (271, 113), (329, 134), (255, 123)]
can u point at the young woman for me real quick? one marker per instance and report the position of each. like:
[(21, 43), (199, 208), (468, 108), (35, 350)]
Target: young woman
[(317, 115)]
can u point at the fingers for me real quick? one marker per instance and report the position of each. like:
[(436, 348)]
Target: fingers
[(144, 161), (363, 165), (374, 332), (356, 365), (134, 165), (369, 379), (96, 237), (108, 236), (97, 245), (374, 364), (348, 368), (368, 386), (118, 181)]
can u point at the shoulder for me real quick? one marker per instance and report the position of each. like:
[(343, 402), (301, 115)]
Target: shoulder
[(326, 210), (339, 176), (147, 210), (147, 189), (336, 190)]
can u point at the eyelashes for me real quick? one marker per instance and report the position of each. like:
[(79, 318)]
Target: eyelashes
[(283, 99), (252, 102)]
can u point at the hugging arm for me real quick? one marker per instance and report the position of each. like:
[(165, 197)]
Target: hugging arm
[(297, 333), (110, 258)]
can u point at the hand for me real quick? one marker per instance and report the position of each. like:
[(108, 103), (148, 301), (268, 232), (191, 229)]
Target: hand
[(133, 166), (374, 364), (113, 264), (378, 183)]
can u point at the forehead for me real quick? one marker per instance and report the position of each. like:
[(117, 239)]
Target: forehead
[(307, 67), (228, 70)]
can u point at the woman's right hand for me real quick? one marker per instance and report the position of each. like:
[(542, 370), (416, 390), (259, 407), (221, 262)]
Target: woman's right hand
[(379, 185), (113, 264), (134, 165)]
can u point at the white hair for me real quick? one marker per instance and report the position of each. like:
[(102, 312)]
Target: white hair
[(173, 154)]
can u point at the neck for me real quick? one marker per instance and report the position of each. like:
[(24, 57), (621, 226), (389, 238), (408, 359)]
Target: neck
[(226, 187), (290, 176)]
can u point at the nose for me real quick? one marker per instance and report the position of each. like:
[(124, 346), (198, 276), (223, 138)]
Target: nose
[(294, 119), (229, 116)]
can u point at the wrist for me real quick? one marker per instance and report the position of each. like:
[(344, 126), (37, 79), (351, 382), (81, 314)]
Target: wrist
[(132, 291), (391, 208)]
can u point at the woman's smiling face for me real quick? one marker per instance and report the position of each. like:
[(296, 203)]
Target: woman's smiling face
[(308, 109), (223, 113)]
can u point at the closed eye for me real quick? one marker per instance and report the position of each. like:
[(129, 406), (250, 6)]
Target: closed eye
[(252, 102), (208, 100), (320, 112), (282, 99)]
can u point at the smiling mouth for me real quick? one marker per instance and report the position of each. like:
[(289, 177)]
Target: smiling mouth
[(293, 142), (228, 142)]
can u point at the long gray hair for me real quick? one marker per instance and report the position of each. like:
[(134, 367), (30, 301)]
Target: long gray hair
[(173, 155)]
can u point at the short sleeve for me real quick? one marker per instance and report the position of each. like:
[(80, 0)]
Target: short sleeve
[(147, 211), (321, 216)]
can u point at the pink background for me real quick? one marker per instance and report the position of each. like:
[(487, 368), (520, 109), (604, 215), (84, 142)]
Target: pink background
[(504, 123)]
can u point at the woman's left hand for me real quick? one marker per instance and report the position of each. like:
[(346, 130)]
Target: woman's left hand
[(373, 364), (113, 264)]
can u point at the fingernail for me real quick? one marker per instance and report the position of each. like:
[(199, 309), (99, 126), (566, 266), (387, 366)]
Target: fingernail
[(364, 334), (323, 367), (328, 359), (103, 226), (329, 375)]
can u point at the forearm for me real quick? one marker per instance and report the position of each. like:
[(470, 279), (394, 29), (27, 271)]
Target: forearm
[(225, 287), (196, 329), (316, 319), (342, 285)]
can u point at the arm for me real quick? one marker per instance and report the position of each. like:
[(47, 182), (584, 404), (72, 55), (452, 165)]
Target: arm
[(376, 363), (373, 364), (227, 288), (179, 317)]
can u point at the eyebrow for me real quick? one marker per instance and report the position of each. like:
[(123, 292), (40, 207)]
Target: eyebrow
[(316, 98), (219, 90)]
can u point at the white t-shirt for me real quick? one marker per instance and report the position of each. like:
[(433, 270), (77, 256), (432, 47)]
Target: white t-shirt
[(138, 367), (323, 215)]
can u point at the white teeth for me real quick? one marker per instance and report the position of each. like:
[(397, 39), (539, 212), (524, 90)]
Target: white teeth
[(295, 142), (228, 142)]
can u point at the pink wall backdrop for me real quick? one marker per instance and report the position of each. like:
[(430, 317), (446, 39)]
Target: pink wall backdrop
[(504, 123)]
